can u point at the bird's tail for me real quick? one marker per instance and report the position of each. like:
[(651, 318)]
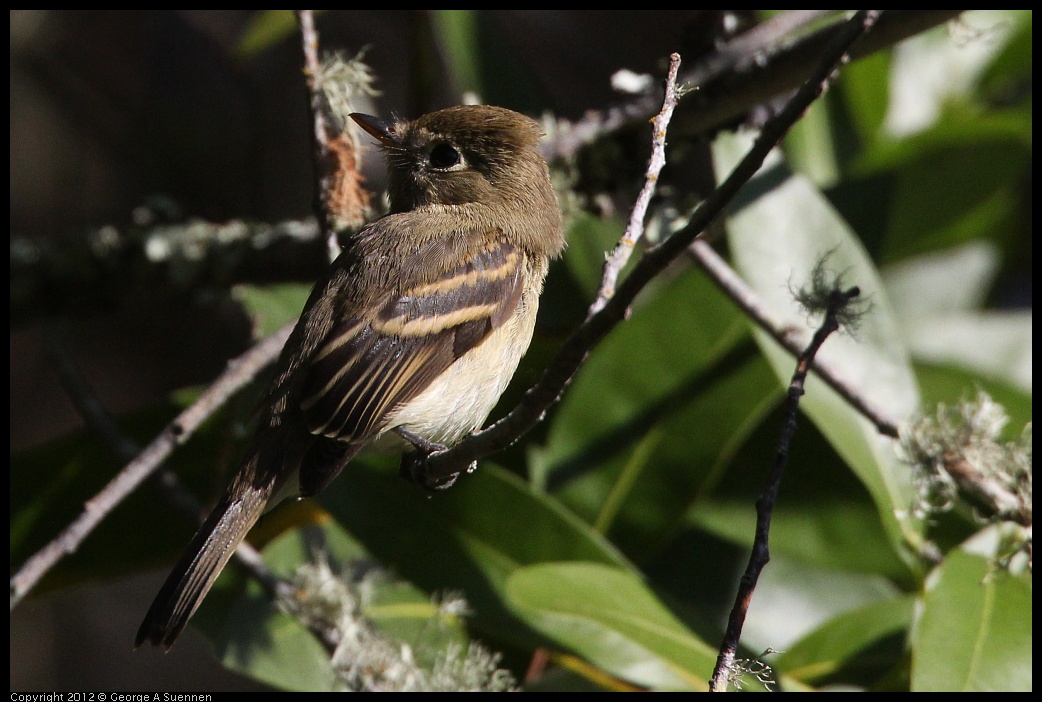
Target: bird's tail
[(195, 573)]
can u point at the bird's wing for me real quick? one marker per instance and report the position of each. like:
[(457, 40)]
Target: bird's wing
[(368, 366)]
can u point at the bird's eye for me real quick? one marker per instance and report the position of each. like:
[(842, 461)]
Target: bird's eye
[(444, 157)]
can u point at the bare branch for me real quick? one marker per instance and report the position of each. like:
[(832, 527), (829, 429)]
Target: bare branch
[(635, 228), (789, 337), (572, 354), (324, 164), (240, 371), (751, 69), (760, 554)]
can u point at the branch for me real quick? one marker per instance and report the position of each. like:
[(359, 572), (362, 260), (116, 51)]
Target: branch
[(760, 554), (96, 271), (635, 228), (340, 200), (92, 272), (320, 132), (572, 354), (240, 372), (746, 298), (751, 69)]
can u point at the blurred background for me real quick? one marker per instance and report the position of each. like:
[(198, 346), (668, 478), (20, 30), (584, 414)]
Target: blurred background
[(123, 118), (111, 109)]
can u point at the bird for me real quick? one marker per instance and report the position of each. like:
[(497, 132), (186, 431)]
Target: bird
[(408, 340)]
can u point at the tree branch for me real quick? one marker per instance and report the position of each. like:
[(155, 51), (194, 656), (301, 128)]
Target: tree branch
[(635, 228), (760, 553), (746, 298), (240, 371), (92, 273), (751, 69), (572, 354)]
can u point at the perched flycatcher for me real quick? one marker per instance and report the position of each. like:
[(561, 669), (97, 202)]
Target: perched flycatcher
[(409, 339)]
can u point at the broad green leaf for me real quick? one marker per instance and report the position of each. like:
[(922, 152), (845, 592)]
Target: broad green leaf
[(941, 294), (793, 598), (469, 538), (777, 236), (973, 627), (839, 532), (848, 641), (682, 328), (864, 86), (480, 59), (959, 182), (995, 345), (934, 68), (1010, 70), (589, 240), (811, 147), (608, 616), (457, 31), (942, 282), (256, 639), (650, 487), (675, 370), (272, 647)]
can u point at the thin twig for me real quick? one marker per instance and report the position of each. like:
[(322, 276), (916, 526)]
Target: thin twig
[(570, 357), (760, 554), (240, 371), (748, 70), (786, 335), (741, 75), (635, 227), (98, 270), (103, 424), (320, 132)]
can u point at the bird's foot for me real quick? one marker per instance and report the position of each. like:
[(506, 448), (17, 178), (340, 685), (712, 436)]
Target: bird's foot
[(414, 466)]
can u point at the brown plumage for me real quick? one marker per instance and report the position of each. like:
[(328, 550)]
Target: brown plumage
[(415, 330)]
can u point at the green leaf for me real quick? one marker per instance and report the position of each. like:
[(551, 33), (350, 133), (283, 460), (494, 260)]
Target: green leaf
[(457, 31), (608, 616), (834, 531), (612, 389), (701, 393), (994, 345), (481, 60), (589, 238), (940, 318), (864, 85), (1005, 79), (256, 639), (469, 538), (271, 647), (847, 641), (811, 148), (943, 282), (778, 229), (973, 630)]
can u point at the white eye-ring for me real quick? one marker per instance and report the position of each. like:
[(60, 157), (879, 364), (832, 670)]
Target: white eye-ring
[(444, 157)]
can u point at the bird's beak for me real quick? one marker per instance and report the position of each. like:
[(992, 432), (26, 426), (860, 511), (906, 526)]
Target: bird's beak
[(382, 130)]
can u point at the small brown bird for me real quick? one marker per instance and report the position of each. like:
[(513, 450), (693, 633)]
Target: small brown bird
[(411, 337)]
